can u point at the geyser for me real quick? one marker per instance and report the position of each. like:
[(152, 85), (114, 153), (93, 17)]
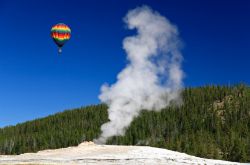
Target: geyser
[(153, 76)]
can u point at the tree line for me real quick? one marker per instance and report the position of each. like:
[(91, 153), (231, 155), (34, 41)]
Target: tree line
[(213, 122)]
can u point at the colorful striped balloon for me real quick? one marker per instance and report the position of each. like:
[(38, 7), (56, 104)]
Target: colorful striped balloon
[(60, 34)]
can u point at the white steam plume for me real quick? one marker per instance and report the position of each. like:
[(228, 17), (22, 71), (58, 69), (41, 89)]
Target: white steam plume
[(153, 76)]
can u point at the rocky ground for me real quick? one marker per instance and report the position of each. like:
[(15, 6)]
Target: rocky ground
[(90, 153)]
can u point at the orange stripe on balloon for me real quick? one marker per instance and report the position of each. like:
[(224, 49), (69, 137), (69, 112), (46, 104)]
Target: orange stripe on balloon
[(60, 35)]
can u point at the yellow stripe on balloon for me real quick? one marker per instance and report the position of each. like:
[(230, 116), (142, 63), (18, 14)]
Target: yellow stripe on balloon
[(58, 27)]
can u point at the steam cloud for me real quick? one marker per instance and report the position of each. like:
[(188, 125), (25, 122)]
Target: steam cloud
[(153, 77)]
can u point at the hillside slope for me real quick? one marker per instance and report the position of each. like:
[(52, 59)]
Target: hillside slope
[(213, 122), (89, 153)]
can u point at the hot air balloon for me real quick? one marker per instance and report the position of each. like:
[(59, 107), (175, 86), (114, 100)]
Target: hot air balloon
[(60, 33)]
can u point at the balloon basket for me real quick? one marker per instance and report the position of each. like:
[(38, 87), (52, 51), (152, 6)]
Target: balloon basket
[(59, 50)]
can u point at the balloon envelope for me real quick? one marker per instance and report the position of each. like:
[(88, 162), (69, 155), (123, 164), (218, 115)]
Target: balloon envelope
[(60, 33)]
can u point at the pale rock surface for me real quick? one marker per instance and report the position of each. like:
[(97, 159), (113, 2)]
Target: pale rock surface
[(90, 153)]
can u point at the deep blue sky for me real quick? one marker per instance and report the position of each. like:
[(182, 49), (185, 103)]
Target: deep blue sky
[(36, 82)]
